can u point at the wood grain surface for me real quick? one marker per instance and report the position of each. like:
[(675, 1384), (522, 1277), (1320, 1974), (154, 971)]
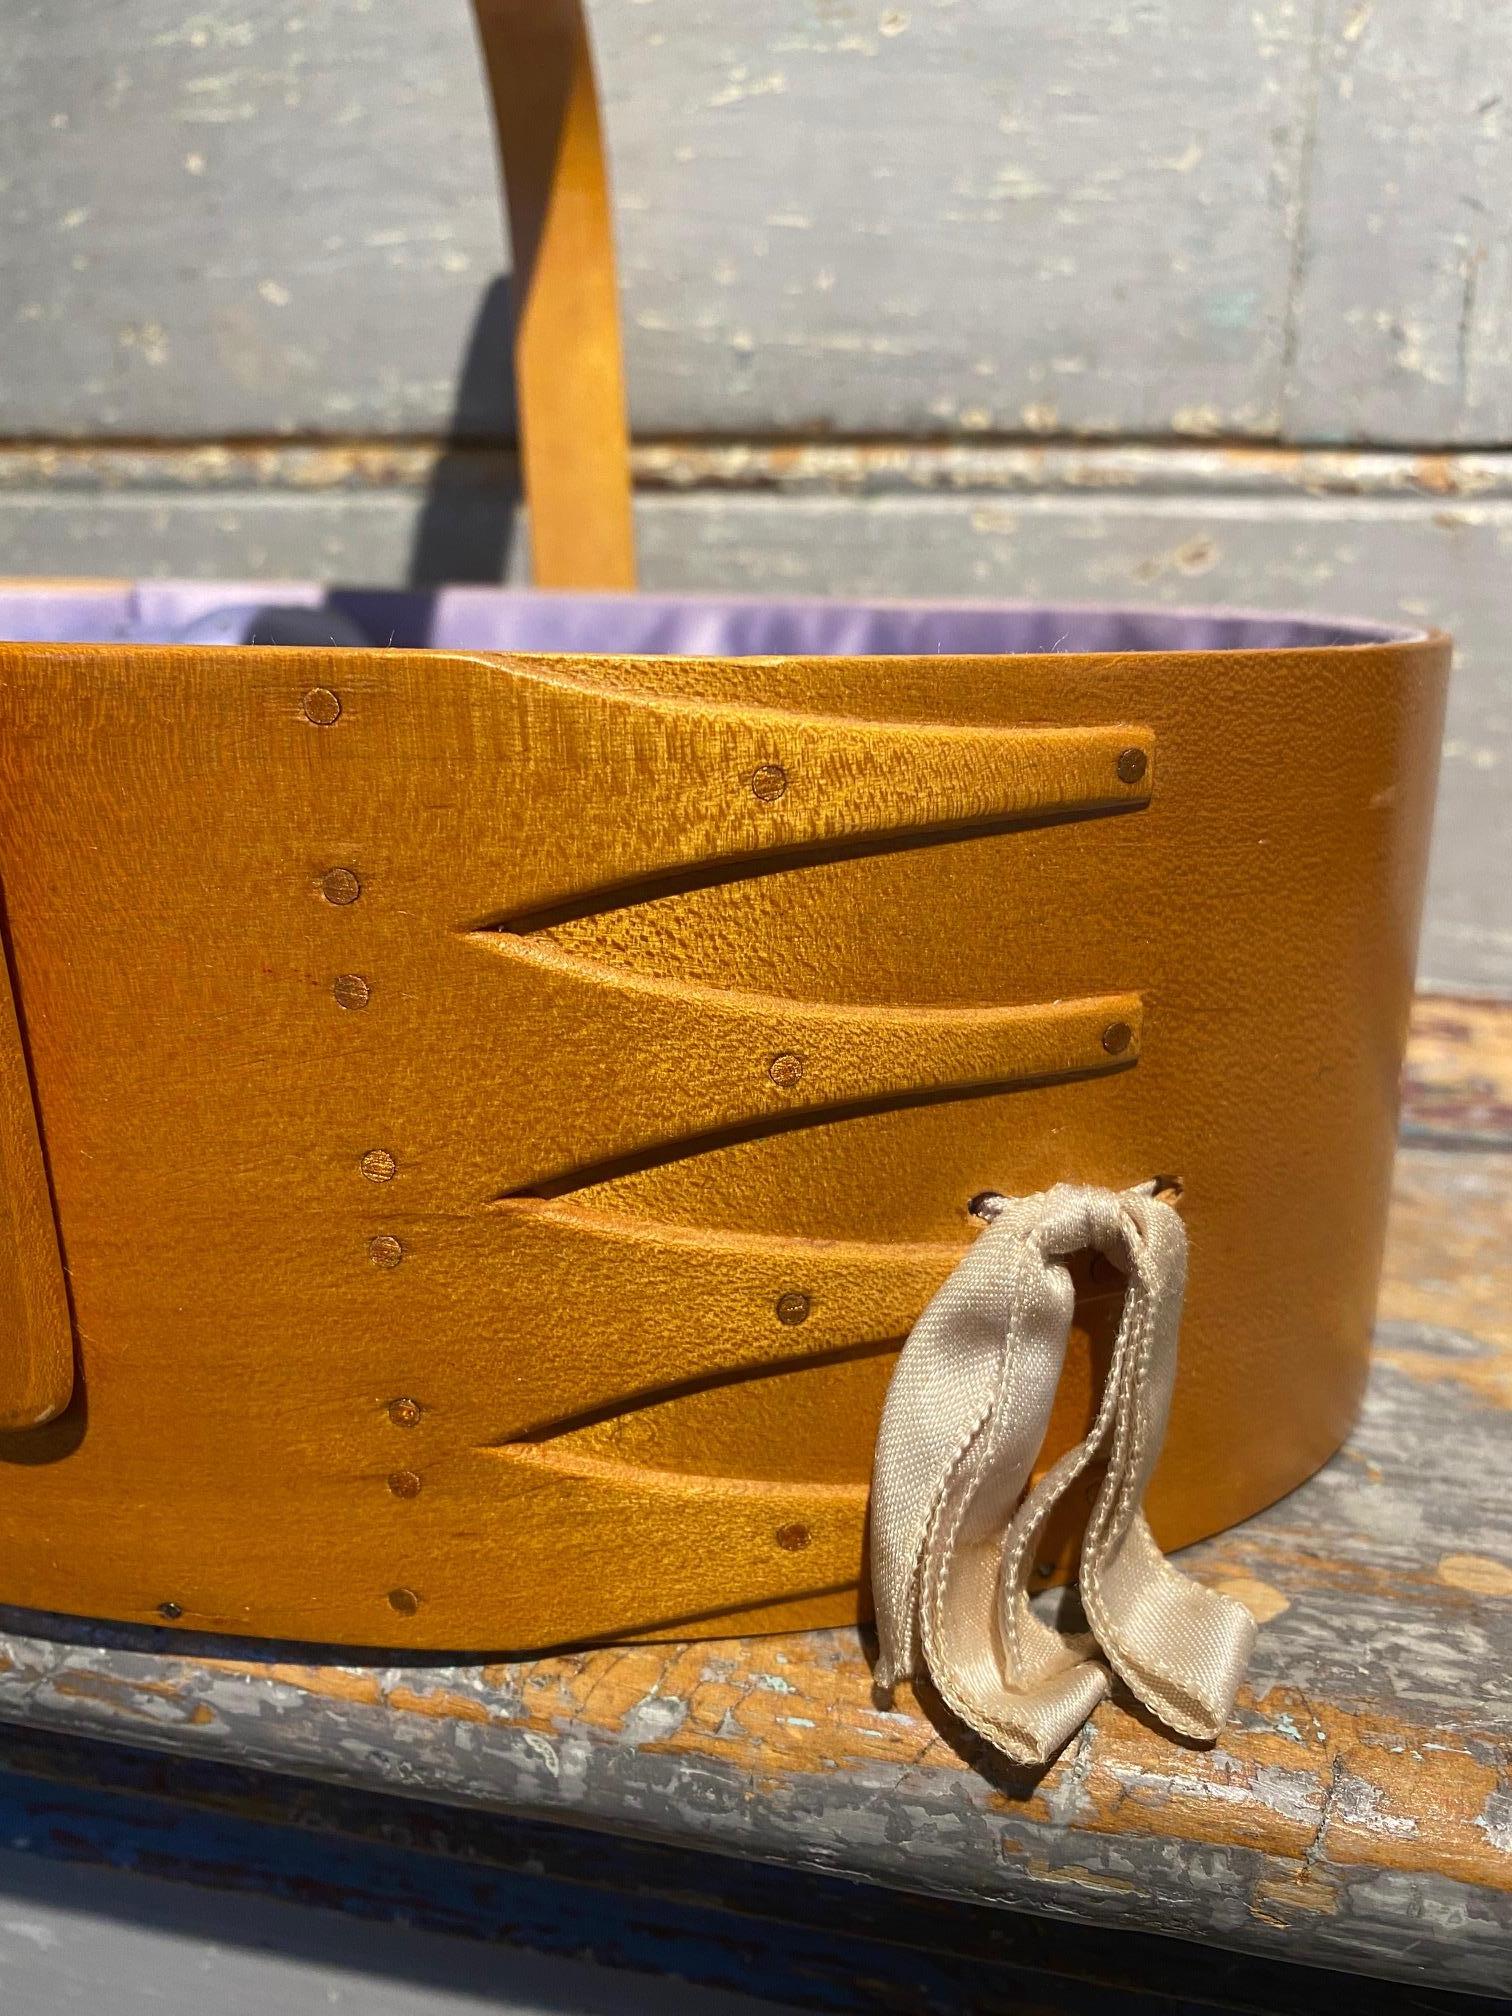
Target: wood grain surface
[(969, 235), (1415, 538), (36, 1333), (1357, 1813), (604, 934), (908, 224)]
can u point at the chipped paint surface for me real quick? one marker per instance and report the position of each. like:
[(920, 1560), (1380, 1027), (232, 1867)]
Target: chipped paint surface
[(1478, 1573), (872, 468), (1356, 1812), (1458, 1081), (800, 188), (1444, 1291), (1259, 1598)]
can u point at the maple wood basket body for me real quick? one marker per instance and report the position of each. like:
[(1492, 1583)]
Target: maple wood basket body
[(480, 1115)]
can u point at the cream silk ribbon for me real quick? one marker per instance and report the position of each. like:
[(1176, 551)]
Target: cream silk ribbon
[(953, 1547)]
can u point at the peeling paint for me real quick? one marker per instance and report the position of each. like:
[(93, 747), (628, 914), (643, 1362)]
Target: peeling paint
[(1259, 1598), (1477, 1573)]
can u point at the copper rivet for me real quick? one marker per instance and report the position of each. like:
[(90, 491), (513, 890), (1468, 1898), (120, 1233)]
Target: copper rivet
[(785, 1070), (384, 1250), (321, 706), (793, 1538), (1132, 764), (172, 1611), (404, 1484), (379, 1166), (405, 1413), (340, 885), (1116, 1038), (793, 1308), (769, 782), (351, 990), (405, 1601)]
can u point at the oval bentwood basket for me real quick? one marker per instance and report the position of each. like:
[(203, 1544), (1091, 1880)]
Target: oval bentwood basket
[(480, 1115)]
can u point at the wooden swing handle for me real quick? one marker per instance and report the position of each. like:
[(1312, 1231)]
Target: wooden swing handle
[(569, 373)]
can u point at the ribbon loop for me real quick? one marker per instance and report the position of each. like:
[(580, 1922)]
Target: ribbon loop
[(953, 1531)]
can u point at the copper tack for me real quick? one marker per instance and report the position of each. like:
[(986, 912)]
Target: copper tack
[(321, 706), (405, 1601), (785, 1070), (1132, 765), (404, 1484), (404, 1412), (384, 1250), (172, 1611), (793, 1539), (793, 1307), (1116, 1038), (340, 886), (769, 782), (351, 990), (379, 1166)]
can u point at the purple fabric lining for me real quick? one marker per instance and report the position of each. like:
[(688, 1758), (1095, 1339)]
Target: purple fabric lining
[(498, 619)]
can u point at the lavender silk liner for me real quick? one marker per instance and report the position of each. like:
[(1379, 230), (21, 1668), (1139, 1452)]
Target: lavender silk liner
[(500, 619)]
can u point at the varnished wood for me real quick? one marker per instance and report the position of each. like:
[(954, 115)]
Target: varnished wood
[(361, 986), (1424, 533), (569, 377), (1353, 1815), (36, 1334), (639, 1043)]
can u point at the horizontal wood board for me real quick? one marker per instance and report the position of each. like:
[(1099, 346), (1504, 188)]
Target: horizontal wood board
[(1129, 217), (396, 1906)]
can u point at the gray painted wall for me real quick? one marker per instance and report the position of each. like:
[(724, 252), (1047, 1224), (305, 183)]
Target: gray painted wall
[(955, 216)]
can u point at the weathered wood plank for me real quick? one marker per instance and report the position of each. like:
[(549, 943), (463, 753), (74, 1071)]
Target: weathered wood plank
[(923, 219), (214, 1836), (920, 218), (1402, 328), (1420, 538), (1355, 1814), (1457, 1084)]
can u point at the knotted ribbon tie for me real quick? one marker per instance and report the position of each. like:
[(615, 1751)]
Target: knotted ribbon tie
[(966, 1413)]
